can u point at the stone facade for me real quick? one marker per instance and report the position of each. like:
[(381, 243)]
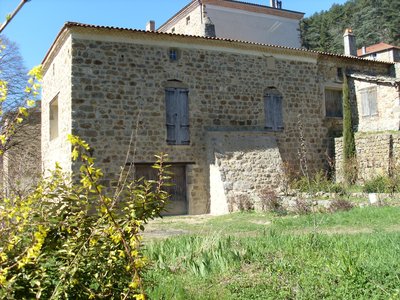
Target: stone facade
[(377, 154), (387, 97), (111, 84)]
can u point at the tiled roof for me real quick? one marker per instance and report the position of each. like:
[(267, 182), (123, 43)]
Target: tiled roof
[(183, 37), (376, 48)]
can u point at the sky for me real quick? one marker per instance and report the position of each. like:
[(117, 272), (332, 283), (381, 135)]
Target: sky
[(36, 26)]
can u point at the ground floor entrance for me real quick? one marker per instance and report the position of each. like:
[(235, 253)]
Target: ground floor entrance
[(178, 204)]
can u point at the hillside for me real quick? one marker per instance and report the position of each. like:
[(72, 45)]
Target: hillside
[(372, 21)]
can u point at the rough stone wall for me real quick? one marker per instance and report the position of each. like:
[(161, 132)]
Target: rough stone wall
[(247, 163), (118, 88), (57, 83), (114, 84), (377, 154), (388, 106)]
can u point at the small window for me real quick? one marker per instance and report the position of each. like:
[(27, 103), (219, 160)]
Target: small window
[(369, 102), (173, 30), (273, 110), (177, 116), (333, 103), (339, 74), (53, 119), (173, 54), (187, 20)]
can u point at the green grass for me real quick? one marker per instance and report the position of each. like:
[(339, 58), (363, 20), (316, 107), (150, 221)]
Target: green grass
[(348, 255)]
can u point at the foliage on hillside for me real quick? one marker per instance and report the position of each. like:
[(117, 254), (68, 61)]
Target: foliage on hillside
[(372, 21)]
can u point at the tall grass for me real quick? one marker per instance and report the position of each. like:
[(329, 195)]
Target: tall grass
[(280, 264)]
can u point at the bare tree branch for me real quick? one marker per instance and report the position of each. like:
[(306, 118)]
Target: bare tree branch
[(10, 17)]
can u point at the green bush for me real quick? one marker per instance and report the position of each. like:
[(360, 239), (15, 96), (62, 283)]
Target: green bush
[(318, 183), (382, 184), (74, 239)]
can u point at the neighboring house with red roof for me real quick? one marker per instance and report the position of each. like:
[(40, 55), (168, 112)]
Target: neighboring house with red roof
[(237, 20), (380, 51)]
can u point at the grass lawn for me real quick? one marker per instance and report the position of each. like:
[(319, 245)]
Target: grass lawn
[(346, 255)]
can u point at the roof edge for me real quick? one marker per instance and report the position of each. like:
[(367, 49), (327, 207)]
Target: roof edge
[(300, 51)]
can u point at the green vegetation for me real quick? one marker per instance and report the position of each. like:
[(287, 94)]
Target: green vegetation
[(347, 255), (349, 144), (382, 184), (74, 239), (372, 21)]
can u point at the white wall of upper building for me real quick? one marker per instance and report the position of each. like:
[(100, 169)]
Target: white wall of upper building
[(254, 27), (237, 24)]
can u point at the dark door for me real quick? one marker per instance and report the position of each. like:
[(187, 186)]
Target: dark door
[(177, 204)]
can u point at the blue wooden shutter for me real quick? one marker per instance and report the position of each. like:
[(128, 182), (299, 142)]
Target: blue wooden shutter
[(183, 133), (269, 111), (171, 115)]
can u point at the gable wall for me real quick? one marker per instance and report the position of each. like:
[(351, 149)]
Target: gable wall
[(57, 83), (118, 89)]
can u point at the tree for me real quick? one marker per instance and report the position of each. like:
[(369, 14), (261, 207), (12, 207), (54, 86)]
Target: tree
[(373, 21), (349, 146), (21, 129)]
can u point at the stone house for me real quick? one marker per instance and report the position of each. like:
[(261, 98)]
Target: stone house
[(232, 115), (236, 20)]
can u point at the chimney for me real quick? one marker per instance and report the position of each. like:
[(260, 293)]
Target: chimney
[(272, 3), (364, 50), (151, 26), (349, 43)]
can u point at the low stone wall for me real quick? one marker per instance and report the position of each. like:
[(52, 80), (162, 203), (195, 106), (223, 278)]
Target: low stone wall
[(241, 165), (377, 154)]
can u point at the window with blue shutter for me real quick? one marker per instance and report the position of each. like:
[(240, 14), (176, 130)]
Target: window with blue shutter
[(273, 110), (177, 116)]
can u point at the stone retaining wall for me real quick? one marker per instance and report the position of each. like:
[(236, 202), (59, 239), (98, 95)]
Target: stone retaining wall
[(377, 154)]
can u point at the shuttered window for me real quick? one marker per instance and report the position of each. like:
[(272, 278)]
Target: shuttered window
[(369, 102), (273, 110), (177, 116), (333, 103)]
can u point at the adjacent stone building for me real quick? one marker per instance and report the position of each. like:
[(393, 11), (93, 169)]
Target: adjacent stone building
[(237, 20), (230, 114)]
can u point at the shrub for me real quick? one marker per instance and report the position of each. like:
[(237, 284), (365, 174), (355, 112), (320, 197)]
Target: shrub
[(340, 205), (382, 184), (241, 202), (318, 183), (270, 201), (302, 207), (72, 240)]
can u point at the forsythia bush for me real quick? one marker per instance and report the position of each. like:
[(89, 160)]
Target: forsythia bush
[(69, 239)]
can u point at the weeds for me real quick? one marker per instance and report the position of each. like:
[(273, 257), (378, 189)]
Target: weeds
[(340, 205), (285, 261), (240, 202)]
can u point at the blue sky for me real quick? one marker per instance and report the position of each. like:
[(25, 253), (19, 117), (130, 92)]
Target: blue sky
[(38, 23)]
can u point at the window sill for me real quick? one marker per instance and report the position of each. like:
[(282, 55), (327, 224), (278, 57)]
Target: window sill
[(274, 130), (334, 118)]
